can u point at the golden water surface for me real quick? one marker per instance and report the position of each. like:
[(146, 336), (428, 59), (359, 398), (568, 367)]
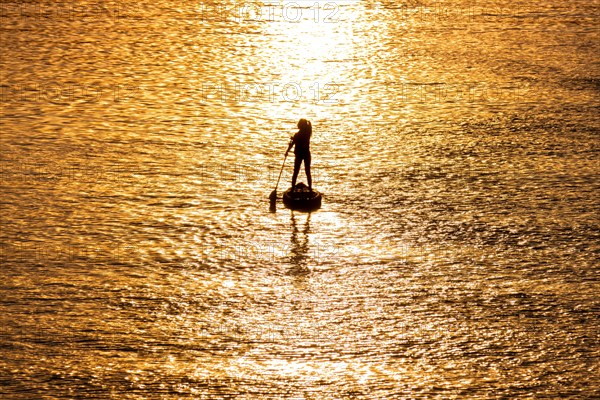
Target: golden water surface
[(456, 251)]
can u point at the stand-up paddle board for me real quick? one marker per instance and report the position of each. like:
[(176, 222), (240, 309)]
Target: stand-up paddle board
[(301, 198)]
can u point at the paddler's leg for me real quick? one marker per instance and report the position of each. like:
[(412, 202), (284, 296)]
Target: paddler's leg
[(307, 170), (297, 162)]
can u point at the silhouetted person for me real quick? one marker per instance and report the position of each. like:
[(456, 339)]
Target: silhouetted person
[(302, 151)]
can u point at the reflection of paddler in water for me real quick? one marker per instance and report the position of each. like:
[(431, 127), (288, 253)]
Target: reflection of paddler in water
[(299, 248)]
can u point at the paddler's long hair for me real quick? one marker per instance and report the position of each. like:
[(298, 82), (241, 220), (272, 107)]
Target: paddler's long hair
[(305, 127)]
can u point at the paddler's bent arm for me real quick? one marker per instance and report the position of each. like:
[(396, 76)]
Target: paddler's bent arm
[(290, 145)]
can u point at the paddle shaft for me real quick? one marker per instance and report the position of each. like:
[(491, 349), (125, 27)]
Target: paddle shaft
[(282, 165)]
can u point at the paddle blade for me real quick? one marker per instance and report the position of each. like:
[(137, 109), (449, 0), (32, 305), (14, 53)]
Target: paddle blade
[(273, 201)]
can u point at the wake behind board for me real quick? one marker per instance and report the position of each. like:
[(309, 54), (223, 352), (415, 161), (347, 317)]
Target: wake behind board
[(302, 198)]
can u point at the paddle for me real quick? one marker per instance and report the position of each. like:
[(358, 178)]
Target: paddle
[(273, 195)]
